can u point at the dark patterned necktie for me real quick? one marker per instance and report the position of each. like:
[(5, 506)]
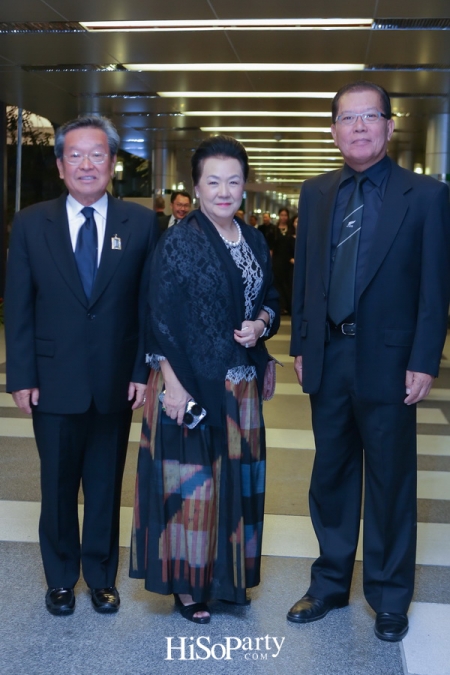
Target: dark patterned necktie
[(341, 297), (86, 250)]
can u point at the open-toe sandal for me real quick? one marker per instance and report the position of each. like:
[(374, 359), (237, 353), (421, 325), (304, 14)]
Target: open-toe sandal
[(188, 611)]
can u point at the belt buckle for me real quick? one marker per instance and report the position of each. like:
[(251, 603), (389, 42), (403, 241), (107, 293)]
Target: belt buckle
[(351, 331)]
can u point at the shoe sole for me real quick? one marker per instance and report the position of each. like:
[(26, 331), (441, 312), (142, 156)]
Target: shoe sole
[(61, 612), (393, 638), (106, 610), (295, 619)]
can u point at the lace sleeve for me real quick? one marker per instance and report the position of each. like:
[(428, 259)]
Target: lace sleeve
[(271, 314), (153, 360)]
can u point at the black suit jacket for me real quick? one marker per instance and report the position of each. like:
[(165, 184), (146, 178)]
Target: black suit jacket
[(72, 349), (163, 221), (401, 311)]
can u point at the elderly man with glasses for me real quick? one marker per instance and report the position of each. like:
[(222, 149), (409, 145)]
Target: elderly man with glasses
[(75, 303), (369, 321)]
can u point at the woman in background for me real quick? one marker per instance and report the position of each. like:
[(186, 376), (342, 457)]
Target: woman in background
[(283, 246)]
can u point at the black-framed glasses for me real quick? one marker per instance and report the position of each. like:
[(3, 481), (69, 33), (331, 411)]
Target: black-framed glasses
[(95, 157), (350, 118)]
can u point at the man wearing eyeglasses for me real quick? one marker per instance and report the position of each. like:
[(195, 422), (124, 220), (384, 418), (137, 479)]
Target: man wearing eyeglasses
[(369, 320), (77, 280)]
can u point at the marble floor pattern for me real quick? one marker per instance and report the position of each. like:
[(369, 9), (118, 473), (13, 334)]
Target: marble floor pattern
[(148, 636)]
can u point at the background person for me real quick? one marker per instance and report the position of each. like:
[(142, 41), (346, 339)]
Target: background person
[(78, 271), (211, 303), (180, 203), (267, 228), (283, 246)]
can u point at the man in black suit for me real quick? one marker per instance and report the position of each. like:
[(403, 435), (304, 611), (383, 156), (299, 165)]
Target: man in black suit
[(180, 203), (75, 306), (369, 320), (267, 228)]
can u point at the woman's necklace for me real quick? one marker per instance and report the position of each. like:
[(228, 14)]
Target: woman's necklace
[(233, 243)]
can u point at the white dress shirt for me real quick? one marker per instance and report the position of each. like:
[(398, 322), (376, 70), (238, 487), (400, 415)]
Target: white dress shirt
[(76, 220)]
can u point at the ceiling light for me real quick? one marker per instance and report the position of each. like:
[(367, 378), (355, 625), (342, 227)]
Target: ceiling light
[(259, 159), (253, 113), (297, 150), (243, 67), (286, 140), (229, 24), (247, 94), (291, 172), (260, 130), (264, 165)]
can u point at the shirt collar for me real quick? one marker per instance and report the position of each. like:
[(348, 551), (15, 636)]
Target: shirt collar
[(376, 173), (101, 205)]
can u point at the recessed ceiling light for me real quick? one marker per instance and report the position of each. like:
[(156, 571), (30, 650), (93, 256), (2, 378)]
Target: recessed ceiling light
[(247, 94), (259, 159), (260, 130), (253, 113), (286, 140), (229, 24), (264, 165), (250, 148), (243, 67)]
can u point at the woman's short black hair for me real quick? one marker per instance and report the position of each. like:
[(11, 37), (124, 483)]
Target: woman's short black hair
[(218, 146)]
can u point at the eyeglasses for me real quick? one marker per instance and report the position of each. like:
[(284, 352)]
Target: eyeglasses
[(94, 157), (369, 117)]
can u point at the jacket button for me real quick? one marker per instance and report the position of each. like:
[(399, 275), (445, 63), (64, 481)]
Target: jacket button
[(91, 316)]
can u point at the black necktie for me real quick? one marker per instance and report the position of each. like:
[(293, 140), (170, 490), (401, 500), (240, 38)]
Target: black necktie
[(175, 221), (341, 298), (86, 250)]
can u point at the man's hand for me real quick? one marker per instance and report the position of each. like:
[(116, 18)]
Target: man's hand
[(136, 391), (298, 367), (418, 386), (25, 398)]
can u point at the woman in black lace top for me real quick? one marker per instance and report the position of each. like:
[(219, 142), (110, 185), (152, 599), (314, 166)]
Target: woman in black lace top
[(199, 505)]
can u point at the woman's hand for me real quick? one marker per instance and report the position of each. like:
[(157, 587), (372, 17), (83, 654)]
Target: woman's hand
[(176, 396), (250, 333)]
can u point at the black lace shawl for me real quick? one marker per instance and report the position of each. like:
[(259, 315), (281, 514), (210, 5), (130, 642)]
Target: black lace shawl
[(196, 300)]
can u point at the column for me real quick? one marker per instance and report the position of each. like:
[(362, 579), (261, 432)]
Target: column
[(437, 157), (3, 195), (405, 159)]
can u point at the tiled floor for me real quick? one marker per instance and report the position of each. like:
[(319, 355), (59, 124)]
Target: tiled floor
[(138, 640)]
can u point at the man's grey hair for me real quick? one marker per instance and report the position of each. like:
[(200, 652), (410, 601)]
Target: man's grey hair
[(88, 121)]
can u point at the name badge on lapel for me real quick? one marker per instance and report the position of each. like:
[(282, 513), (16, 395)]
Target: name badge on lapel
[(116, 243)]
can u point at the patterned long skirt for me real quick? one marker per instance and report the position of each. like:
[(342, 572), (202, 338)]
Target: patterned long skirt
[(199, 504)]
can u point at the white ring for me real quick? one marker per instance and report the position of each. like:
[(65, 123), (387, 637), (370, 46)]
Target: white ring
[(246, 345)]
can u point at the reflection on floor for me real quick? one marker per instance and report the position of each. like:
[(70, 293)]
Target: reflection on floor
[(148, 636)]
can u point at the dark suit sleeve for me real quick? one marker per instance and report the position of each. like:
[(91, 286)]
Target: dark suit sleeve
[(434, 294), (299, 274), (140, 370), (19, 313)]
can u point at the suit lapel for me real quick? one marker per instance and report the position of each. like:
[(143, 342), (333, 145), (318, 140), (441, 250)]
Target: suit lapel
[(116, 225), (393, 210), (57, 235)]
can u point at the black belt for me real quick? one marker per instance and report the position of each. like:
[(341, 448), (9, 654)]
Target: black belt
[(345, 327)]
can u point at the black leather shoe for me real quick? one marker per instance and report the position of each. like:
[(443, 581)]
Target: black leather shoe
[(309, 609), (391, 627), (105, 600), (60, 601)]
